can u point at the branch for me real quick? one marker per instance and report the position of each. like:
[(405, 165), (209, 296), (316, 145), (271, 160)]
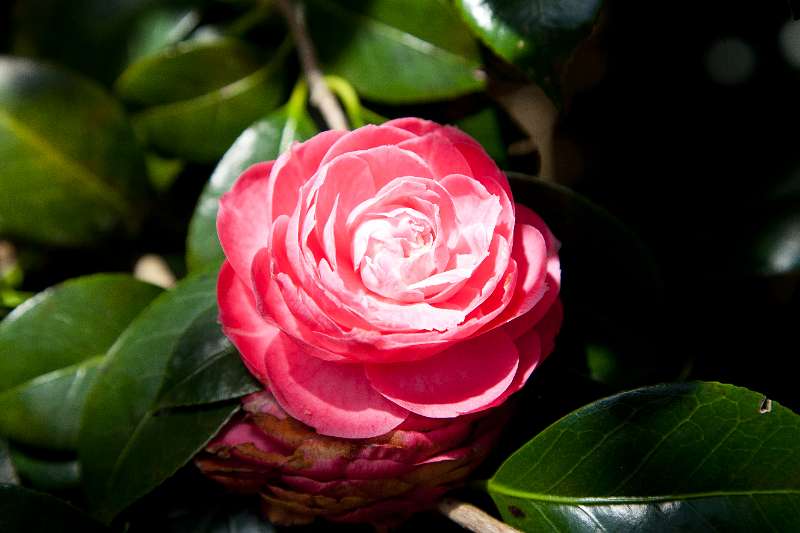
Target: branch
[(321, 96), (471, 518)]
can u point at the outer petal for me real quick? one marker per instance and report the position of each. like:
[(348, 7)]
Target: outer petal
[(530, 355), (364, 138), (334, 398), (464, 378), (242, 323), (482, 165), (243, 223)]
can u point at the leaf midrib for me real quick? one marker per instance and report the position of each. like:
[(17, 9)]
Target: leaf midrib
[(59, 158), (499, 488)]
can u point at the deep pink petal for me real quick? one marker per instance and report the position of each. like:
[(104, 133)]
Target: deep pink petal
[(483, 167), (549, 326), (294, 168), (243, 222), (530, 254), (335, 399), (530, 355), (439, 153), (415, 125), (369, 136), (241, 321), (467, 377)]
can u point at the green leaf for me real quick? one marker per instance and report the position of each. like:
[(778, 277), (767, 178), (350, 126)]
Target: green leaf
[(199, 95), (389, 56), (611, 286), (263, 141), (8, 474), (51, 347), (45, 411), (677, 457), (539, 37), (64, 181), (49, 475), (186, 70), (158, 28), (121, 443), (23, 510), (205, 367)]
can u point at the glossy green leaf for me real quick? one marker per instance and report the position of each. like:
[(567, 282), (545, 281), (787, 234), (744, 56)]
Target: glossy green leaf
[(64, 181), (50, 348), (610, 283), (45, 474), (186, 70), (8, 474), (389, 56), (45, 411), (121, 443), (199, 95), (205, 367), (158, 28), (677, 457), (263, 141), (24, 511), (538, 36)]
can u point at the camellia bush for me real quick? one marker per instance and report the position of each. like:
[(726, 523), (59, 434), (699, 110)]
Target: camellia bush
[(317, 264)]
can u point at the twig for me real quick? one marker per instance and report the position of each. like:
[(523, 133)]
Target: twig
[(471, 518), (321, 96)]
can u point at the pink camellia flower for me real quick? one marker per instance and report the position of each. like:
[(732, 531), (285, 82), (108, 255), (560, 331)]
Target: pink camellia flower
[(380, 278)]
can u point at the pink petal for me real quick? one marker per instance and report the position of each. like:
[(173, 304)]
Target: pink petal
[(530, 355), (294, 167), (364, 138), (439, 153), (415, 125), (464, 378), (530, 254), (242, 323), (271, 292), (549, 326), (526, 321), (483, 167), (243, 222), (335, 399)]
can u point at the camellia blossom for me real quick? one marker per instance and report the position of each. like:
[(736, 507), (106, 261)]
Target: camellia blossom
[(385, 274)]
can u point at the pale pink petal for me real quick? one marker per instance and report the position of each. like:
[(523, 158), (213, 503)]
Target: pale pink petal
[(335, 399), (241, 321), (364, 138), (466, 377), (243, 222)]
